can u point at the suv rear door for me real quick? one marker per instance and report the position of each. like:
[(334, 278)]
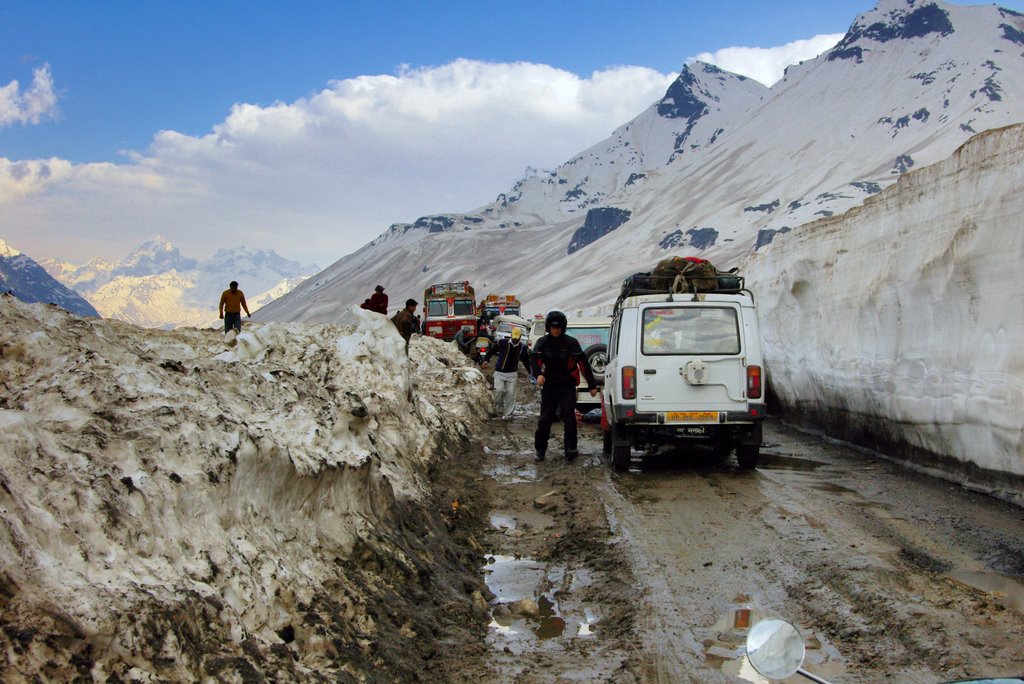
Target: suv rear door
[(691, 359)]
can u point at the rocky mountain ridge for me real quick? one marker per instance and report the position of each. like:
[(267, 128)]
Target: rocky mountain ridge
[(23, 278), (717, 167)]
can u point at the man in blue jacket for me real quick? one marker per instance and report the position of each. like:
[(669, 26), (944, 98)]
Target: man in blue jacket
[(556, 361)]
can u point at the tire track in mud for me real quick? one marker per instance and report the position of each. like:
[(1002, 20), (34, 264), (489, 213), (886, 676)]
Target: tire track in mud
[(562, 604), (862, 575), (851, 548)]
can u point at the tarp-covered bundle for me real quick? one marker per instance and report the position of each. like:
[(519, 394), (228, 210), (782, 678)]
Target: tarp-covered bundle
[(682, 274)]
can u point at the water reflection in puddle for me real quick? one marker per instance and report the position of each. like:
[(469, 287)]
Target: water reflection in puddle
[(832, 488), (551, 623), (510, 472), (1005, 590), (525, 610), (503, 521), (771, 461)]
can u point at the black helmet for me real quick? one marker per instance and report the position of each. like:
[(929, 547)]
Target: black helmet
[(555, 317)]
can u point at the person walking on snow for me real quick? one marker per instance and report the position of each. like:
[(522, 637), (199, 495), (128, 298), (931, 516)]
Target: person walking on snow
[(232, 301), (511, 351), (556, 360)]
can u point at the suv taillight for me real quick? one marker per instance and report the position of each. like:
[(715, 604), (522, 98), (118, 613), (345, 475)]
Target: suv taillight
[(753, 382), (629, 382)]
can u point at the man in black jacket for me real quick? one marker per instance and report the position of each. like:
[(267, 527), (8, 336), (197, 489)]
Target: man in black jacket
[(556, 360)]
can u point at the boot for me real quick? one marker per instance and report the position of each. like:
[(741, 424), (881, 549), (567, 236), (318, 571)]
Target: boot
[(571, 455), (539, 457)]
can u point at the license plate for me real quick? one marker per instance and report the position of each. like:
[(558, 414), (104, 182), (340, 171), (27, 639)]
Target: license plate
[(693, 430), (691, 417)]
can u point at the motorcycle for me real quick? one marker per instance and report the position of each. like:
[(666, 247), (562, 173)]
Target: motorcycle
[(776, 650), (482, 344)]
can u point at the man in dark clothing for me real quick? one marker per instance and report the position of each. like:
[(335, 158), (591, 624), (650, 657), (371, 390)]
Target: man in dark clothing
[(555, 360), (378, 301), (405, 321), (511, 351)]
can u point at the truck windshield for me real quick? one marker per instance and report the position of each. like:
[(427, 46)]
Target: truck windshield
[(437, 307), (690, 331), (463, 307)]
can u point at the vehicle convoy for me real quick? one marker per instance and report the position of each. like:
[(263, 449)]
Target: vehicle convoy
[(684, 366), (502, 305), (448, 308)]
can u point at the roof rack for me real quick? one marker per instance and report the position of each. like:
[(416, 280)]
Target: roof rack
[(639, 284)]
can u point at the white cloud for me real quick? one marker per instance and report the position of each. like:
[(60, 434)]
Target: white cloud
[(768, 64), (32, 105), (320, 177)]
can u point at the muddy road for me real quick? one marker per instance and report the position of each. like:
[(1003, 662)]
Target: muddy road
[(651, 575)]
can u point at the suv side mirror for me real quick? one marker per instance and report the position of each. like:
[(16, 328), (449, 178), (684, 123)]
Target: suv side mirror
[(775, 648)]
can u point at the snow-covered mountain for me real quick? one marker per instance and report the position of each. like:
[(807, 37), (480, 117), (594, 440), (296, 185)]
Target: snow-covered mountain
[(28, 281), (157, 287), (717, 167)]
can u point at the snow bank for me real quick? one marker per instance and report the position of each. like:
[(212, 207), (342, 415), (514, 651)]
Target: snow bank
[(153, 482), (898, 324)]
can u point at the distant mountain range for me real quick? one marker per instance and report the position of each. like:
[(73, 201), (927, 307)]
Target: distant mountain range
[(718, 167), (156, 286), (29, 282)]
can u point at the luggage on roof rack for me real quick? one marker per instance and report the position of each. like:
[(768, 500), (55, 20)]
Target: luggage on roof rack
[(682, 274)]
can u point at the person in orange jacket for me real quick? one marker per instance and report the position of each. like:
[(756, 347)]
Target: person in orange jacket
[(232, 301)]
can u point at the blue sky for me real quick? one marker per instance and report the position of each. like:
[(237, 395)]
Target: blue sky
[(132, 105), (128, 69)]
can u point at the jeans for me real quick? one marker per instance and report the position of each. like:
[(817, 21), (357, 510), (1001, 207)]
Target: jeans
[(233, 320), (551, 400)]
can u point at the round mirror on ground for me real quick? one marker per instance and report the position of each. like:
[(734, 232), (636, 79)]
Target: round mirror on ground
[(775, 648)]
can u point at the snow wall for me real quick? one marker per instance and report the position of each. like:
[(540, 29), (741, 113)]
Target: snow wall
[(175, 509), (900, 324)]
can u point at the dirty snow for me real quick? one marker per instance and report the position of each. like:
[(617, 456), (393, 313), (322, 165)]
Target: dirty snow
[(180, 503)]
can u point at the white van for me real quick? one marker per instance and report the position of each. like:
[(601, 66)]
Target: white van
[(684, 368)]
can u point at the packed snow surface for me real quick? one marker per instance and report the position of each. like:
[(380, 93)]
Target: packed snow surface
[(151, 479)]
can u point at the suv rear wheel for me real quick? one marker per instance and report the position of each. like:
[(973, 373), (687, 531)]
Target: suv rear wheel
[(621, 449), (747, 456)]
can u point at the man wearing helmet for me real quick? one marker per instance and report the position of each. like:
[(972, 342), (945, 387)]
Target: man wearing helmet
[(556, 361)]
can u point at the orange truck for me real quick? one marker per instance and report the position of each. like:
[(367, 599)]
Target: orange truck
[(502, 305), (448, 308)]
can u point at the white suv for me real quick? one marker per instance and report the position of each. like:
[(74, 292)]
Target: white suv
[(684, 368)]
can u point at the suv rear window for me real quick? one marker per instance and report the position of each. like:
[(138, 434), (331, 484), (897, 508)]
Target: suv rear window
[(588, 336), (690, 331)]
